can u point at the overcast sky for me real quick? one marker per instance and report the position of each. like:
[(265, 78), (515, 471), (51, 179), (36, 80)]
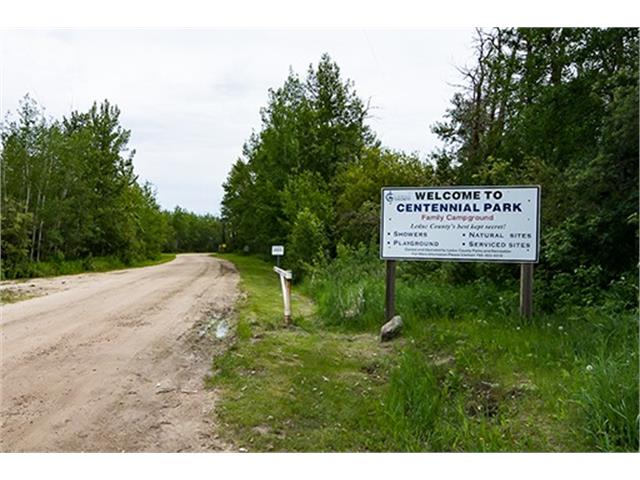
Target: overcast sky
[(191, 98)]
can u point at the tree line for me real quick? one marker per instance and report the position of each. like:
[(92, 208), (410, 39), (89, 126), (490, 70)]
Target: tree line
[(69, 191), (311, 177), (556, 107)]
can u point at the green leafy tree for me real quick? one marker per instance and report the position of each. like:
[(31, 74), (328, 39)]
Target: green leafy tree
[(15, 243), (69, 191), (189, 232), (358, 187), (556, 107), (307, 190), (310, 128), (306, 243)]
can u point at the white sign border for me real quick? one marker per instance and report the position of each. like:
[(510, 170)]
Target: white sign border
[(465, 260)]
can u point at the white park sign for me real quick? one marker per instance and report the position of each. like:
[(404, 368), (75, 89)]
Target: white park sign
[(481, 224)]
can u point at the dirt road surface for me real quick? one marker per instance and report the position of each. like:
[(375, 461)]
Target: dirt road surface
[(114, 361)]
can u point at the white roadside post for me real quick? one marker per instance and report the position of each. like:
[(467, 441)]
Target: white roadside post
[(285, 282)]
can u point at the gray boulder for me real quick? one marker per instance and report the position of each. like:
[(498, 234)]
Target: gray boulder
[(391, 329)]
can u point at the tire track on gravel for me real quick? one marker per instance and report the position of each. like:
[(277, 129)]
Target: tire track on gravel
[(81, 368)]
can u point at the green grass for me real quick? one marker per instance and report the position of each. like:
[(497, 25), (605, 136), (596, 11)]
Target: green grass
[(467, 375), (8, 296), (94, 264), (300, 387)]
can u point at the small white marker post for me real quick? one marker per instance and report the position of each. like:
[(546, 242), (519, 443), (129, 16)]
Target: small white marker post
[(285, 283), (277, 251)]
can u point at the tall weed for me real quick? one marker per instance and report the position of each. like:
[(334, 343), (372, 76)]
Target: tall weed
[(582, 356), (609, 402)]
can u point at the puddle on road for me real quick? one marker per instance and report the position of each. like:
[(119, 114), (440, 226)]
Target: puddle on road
[(222, 329), (219, 326)]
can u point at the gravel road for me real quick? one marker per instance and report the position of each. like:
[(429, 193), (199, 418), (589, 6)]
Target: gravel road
[(114, 361)]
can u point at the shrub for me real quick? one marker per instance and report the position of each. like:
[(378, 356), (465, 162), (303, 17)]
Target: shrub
[(609, 402), (307, 242)]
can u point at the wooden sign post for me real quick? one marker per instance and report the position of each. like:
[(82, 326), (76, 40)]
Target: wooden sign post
[(390, 296), (526, 290)]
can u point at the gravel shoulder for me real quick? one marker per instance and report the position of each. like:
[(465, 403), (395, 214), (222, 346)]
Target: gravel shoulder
[(114, 361)]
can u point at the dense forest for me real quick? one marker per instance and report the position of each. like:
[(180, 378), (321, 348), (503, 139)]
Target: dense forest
[(69, 193), (553, 107)]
